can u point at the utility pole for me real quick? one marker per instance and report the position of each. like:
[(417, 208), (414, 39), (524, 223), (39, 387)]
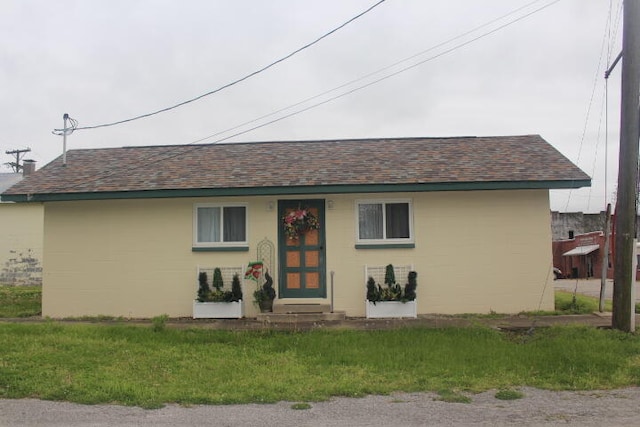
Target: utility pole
[(16, 166), (626, 210), (605, 258)]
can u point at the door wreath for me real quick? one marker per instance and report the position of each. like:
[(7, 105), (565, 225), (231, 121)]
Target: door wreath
[(299, 221)]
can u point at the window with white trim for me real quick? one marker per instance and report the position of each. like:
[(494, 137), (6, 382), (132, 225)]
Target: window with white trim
[(384, 221), (219, 225)]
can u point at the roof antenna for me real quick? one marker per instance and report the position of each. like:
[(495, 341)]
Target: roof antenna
[(64, 132)]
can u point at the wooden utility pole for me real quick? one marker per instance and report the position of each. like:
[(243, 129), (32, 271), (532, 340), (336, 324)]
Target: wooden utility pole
[(626, 210), (16, 166)]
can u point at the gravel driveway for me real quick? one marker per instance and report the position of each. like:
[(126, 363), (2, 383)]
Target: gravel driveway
[(536, 408)]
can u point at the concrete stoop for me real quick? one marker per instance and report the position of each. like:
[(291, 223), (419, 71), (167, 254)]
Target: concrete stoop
[(301, 313)]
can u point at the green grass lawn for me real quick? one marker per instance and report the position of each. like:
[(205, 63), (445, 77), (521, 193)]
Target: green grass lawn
[(566, 303), (151, 365), (147, 366), (20, 301)]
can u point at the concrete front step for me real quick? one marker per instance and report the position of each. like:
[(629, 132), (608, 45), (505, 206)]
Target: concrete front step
[(301, 308), (301, 317)]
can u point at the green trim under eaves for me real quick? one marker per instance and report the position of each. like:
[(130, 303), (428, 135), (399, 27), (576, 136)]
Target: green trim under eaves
[(299, 190), (221, 249)]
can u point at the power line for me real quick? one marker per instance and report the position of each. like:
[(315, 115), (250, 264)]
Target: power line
[(166, 156), (601, 124), (238, 80), (431, 58), (596, 78), (379, 71)]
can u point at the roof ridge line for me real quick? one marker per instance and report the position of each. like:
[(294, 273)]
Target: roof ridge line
[(310, 141)]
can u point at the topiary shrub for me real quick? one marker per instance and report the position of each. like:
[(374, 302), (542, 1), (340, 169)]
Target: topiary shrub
[(393, 291), (236, 288), (410, 287), (266, 291), (218, 284), (268, 287), (264, 295), (218, 294), (373, 290), (389, 275), (203, 287)]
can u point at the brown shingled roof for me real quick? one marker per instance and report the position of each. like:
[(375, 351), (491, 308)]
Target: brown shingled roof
[(362, 162)]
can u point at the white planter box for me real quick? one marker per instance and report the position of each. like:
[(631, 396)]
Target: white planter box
[(385, 309), (218, 310)]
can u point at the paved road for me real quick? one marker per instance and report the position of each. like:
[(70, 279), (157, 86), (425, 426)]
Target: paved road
[(536, 408), (590, 287)]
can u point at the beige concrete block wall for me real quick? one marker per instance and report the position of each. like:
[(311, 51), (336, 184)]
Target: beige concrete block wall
[(474, 252), (502, 259), (134, 258), (21, 237)]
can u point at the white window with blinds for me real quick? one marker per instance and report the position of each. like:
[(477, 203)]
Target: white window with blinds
[(384, 221), (219, 225)]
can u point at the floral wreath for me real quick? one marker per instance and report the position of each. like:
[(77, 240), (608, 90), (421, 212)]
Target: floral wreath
[(298, 222)]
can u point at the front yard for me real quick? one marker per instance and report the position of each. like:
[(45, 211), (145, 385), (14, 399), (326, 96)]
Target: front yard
[(151, 364)]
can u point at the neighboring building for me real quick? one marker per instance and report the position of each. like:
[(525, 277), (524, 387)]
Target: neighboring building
[(21, 236), (126, 228), (567, 225), (579, 252), (581, 256)]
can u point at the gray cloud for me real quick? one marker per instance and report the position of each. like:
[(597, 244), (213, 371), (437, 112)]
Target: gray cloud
[(103, 61)]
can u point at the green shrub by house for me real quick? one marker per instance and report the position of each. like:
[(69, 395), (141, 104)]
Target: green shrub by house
[(392, 291), (218, 294)]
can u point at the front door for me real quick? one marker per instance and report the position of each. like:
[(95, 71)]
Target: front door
[(302, 259)]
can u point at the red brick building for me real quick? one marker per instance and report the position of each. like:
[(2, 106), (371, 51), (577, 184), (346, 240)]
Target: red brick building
[(581, 257)]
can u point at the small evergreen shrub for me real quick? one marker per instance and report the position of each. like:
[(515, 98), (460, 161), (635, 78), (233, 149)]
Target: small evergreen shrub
[(218, 294), (392, 291), (373, 294), (410, 287), (217, 279), (236, 289), (389, 275), (203, 287), (266, 292)]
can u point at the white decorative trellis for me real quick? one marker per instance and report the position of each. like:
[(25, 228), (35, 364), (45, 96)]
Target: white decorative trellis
[(265, 254), (377, 272), (227, 274)]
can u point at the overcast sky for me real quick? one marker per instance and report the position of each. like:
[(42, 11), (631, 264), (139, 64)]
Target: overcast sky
[(103, 61)]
